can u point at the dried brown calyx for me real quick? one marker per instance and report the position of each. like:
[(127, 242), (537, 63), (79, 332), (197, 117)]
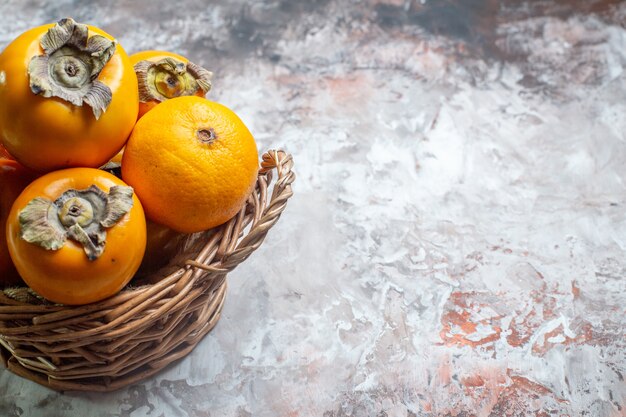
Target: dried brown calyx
[(169, 78), (80, 215), (70, 66)]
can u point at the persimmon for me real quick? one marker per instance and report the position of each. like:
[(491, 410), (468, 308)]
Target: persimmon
[(68, 96), (4, 153), (13, 179), (76, 235), (163, 75), (192, 162), (161, 244)]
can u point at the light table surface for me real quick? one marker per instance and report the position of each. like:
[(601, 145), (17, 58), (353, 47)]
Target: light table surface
[(456, 242)]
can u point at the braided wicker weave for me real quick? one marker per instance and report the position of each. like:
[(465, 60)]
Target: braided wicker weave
[(107, 345)]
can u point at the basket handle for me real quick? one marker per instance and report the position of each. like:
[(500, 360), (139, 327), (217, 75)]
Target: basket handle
[(270, 211)]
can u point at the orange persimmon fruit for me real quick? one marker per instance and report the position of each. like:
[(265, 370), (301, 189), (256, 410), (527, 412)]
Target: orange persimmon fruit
[(76, 235), (4, 154), (13, 179), (68, 97), (162, 244)]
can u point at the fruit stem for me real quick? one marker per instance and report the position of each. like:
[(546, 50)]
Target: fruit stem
[(206, 135), (70, 66), (80, 215), (169, 78)]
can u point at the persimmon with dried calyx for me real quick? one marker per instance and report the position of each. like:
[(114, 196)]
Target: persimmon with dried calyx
[(13, 179), (77, 235), (68, 97), (163, 75)]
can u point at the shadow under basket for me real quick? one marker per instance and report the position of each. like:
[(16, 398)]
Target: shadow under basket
[(119, 341)]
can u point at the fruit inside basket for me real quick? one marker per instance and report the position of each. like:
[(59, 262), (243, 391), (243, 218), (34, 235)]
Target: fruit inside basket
[(119, 341)]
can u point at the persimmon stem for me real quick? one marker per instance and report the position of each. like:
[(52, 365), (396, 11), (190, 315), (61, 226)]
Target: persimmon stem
[(76, 210), (70, 66), (80, 215), (169, 78)]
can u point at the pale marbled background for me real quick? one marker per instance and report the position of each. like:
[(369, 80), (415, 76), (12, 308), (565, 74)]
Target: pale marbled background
[(456, 243)]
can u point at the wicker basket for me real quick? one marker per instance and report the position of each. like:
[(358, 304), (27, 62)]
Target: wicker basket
[(107, 345)]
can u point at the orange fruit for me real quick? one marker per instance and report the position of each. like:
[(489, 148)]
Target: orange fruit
[(46, 122), (192, 162), (76, 235), (13, 179)]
